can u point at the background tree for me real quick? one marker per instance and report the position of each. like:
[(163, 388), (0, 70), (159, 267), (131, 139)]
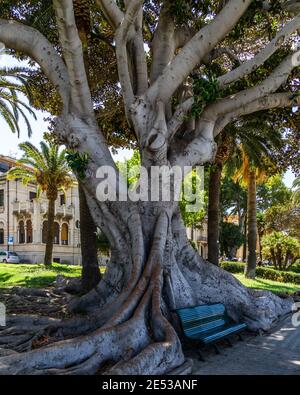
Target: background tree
[(231, 238), (282, 250), (283, 218), (90, 275), (48, 169), (296, 192), (153, 268), (13, 85)]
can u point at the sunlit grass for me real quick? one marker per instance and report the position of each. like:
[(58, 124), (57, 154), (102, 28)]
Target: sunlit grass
[(269, 285), (34, 276)]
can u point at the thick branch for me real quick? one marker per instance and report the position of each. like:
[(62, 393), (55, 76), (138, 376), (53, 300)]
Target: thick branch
[(111, 11), (73, 55), (216, 53), (194, 51), (178, 117), (163, 44), (276, 100), (251, 65), (277, 78), (31, 42), (122, 35)]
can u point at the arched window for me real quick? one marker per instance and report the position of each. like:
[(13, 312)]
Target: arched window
[(65, 234), (29, 233), (21, 232), (56, 233)]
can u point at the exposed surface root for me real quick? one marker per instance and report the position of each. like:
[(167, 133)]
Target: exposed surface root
[(135, 334)]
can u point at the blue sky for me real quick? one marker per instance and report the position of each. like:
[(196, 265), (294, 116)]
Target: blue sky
[(9, 142)]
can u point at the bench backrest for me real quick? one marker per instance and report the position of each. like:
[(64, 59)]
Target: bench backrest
[(203, 318)]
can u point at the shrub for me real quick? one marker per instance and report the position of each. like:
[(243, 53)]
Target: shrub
[(281, 249), (233, 267), (264, 272)]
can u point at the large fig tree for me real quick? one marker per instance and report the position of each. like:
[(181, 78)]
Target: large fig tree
[(176, 109)]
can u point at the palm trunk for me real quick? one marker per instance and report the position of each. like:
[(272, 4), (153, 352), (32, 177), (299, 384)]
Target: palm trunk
[(252, 226), (50, 233), (213, 224), (90, 268), (245, 238)]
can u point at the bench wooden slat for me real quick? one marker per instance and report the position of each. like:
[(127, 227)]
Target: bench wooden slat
[(207, 323)]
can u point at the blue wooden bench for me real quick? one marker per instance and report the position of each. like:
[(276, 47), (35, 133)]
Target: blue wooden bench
[(208, 323)]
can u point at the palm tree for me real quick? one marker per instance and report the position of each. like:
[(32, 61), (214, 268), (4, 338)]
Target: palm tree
[(13, 82), (258, 138), (214, 193), (296, 192), (250, 173), (48, 169)]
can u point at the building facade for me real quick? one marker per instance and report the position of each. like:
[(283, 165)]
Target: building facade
[(199, 237), (23, 221)]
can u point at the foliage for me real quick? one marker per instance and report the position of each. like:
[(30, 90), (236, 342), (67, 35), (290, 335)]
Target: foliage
[(283, 218), (272, 192), (47, 168), (264, 272), (103, 244), (231, 238), (206, 90), (78, 163), (129, 169), (296, 192), (193, 218), (281, 249), (233, 199), (13, 82)]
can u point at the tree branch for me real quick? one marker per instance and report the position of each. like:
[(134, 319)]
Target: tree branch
[(275, 100), (31, 42), (193, 52), (121, 37), (111, 11), (73, 55), (178, 117), (251, 65), (277, 78), (216, 53)]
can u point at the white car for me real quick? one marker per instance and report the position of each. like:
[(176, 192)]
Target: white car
[(9, 257)]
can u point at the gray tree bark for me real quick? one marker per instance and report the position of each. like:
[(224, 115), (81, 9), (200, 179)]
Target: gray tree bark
[(153, 268)]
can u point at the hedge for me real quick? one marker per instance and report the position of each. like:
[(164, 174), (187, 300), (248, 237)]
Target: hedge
[(264, 272)]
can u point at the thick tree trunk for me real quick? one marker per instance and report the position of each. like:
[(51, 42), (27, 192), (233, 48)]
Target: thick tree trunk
[(245, 238), (90, 267), (213, 224), (129, 322), (50, 233), (252, 226)]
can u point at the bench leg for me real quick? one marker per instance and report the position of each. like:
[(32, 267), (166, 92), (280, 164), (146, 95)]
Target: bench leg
[(229, 342), (217, 350), (240, 337), (199, 353)]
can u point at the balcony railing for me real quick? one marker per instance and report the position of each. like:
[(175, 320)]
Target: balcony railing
[(23, 207), (60, 211)]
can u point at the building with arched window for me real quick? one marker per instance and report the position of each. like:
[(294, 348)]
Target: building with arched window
[(23, 221)]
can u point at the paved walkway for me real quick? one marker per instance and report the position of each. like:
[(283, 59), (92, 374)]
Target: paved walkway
[(275, 353)]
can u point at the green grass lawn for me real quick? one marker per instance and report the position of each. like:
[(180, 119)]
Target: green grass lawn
[(34, 276), (269, 285), (37, 276)]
